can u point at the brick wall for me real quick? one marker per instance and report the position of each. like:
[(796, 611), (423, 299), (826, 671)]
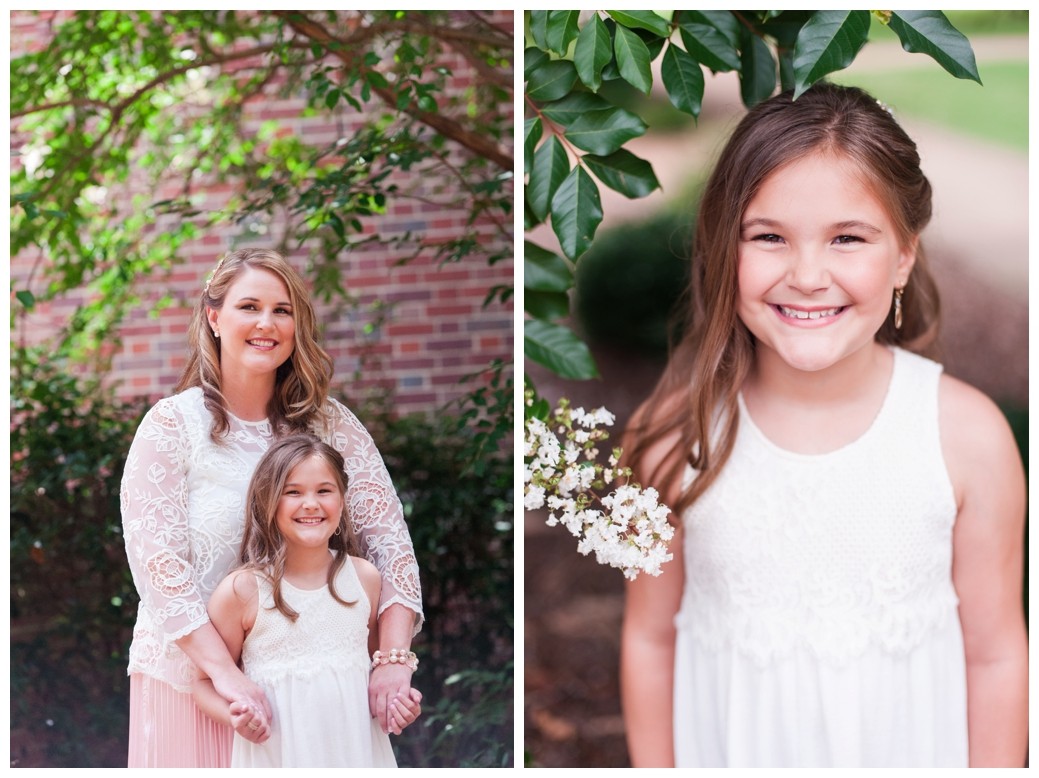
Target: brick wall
[(418, 327)]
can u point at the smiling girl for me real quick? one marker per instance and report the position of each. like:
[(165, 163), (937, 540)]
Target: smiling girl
[(299, 615), (846, 589)]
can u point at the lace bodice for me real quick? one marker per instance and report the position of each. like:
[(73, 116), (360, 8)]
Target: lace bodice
[(327, 635), (831, 553), (182, 503)]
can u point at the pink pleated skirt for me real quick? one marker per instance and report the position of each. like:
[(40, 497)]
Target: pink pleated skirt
[(168, 730)]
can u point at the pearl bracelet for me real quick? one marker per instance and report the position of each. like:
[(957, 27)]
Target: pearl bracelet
[(396, 656)]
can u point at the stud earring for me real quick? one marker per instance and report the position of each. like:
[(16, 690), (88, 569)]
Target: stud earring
[(898, 307)]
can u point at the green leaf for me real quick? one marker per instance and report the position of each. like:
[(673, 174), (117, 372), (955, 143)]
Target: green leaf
[(709, 47), (683, 80), (531, 136), (544, 270), (758, 70), (26, 298), (633, 59), (546, 305), (723, 21), (644, 20), (593, 52), (929, 32), (623, 172), (534, 58), (539, 28), (829, 41), (562, 29), (558, 349), (551, 81), (576, 213), (564, 111), (548, 169), (603, 132)]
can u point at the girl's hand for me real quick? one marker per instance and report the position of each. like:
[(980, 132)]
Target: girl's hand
[(404, 710), (387, 682), (249, 722)]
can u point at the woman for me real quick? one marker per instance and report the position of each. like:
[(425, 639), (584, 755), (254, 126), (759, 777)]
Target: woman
[(255, 372)]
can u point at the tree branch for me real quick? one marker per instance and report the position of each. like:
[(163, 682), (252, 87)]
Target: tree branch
[(475, 142)]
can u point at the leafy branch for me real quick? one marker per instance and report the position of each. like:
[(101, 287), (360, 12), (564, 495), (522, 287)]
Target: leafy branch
[(575, 131)]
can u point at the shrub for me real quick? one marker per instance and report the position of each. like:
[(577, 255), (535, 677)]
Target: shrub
[(630, 281)]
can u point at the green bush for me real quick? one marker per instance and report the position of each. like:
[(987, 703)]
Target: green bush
[(457, 498), (631, 280), (71, 593)]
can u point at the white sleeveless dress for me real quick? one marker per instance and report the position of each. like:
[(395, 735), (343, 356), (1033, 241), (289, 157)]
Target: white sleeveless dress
[(314, 672), (819, 623)]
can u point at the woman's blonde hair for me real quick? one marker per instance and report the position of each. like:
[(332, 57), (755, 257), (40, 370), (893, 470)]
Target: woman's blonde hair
[(263, 545), (707, 368), (301, 383)]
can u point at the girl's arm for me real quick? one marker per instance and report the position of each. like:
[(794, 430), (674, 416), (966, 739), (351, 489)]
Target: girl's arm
[(988, 540), (232, 612), (648, 662), (648, 635), (384, 541)]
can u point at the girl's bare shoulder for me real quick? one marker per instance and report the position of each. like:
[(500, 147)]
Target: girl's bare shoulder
[(977, 441), (239, 586), (366, 572)]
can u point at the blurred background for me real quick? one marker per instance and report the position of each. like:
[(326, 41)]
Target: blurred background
[(973, 141)]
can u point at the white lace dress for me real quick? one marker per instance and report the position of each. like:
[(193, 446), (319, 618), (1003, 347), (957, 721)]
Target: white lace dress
[(183, 511), (314, 672), (819, 623)]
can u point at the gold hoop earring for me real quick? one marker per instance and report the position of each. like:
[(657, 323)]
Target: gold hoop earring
[(898, 307)]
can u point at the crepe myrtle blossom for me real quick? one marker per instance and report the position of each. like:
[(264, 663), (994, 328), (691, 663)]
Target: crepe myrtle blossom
[(627, 527)]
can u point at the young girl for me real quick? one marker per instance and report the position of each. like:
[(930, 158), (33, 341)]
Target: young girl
[(846, 588), (300, 615)]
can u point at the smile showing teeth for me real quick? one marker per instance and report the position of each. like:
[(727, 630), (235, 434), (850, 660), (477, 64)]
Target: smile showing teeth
[(794, 313), (309, 520), (263, 343)]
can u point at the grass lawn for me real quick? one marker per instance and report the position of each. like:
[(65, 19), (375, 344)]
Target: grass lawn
[(996, 112)]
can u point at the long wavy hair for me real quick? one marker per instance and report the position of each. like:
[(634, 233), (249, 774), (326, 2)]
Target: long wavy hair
[(301, 383), (695, 401), (263, 545)]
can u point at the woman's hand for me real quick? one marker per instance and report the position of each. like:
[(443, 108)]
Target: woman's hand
[(388, 682), (233, 685), (404, 710), (249, 722)]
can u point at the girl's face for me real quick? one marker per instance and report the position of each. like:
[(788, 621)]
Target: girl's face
[(311, 506), (819, 260), (256, 325)]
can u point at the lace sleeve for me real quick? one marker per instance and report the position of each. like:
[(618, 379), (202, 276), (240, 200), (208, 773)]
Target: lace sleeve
[(153, 498), (376, 512)]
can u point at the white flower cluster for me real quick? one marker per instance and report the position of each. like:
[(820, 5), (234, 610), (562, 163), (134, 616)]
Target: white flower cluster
[(627, 528)]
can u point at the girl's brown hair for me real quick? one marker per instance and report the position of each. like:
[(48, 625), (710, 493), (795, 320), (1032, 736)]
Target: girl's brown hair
[(699, 389), (301, 383), (263, 546)]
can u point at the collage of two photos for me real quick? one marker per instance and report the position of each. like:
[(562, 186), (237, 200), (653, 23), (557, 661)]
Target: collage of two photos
[(269, 395)]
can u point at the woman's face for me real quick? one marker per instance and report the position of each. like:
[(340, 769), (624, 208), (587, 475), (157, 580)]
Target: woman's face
[(819, 260), (256, 326)]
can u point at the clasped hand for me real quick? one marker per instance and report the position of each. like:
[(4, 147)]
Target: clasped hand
[(249, 722)]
